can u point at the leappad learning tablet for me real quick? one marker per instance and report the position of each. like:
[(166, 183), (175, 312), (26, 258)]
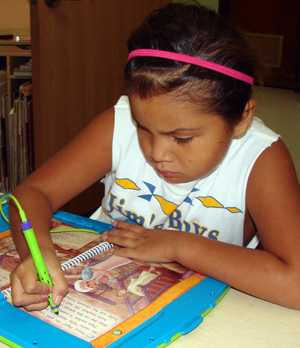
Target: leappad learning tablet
[(112, 301)]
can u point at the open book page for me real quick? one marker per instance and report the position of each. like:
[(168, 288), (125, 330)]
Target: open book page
[(72, 240), (108, 295), (68, 245), (9, 259)]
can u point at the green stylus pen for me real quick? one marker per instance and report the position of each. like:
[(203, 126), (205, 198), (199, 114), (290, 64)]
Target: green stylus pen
[(38, 260)]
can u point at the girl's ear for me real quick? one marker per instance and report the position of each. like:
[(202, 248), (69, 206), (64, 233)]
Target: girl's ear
[(241, 128)]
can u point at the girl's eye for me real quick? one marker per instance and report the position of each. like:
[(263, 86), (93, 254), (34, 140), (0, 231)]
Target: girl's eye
[(183, 141)]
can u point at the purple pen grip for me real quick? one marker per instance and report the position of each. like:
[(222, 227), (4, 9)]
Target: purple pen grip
[(26, 225)]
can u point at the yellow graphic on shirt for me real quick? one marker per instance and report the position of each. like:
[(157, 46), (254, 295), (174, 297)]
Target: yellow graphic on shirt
[(127, 184), (210, 202), (169, 207), (166, 206), (234, 210)]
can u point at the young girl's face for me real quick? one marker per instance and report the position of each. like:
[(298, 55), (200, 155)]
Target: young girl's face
[(180, 143)]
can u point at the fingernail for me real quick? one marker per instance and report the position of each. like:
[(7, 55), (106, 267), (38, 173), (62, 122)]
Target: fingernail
[(48, 291), (104, 235), (57, 299), (45, 299)]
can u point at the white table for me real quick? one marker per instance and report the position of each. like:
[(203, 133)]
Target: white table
[(243, 321)]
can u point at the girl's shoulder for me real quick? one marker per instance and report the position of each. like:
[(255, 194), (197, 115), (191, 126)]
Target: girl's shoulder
[(123, 112), (273, 197), (245, 150), (123, 103), (124, 125), (258, 128)]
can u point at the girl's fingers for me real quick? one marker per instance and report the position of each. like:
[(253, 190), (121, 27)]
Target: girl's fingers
[(28, 292), (126, 252), (60, 288), (31, 296), (130, 226), (125, 238), (37, 307), (121, 239)]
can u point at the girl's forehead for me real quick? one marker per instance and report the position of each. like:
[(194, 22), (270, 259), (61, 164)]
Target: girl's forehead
[(164, 105), (168, 115), (161, 104)]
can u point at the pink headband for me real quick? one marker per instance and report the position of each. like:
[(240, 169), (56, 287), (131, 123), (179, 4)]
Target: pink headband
[(192, 60)]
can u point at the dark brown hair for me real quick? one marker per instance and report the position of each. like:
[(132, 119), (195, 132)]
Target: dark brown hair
[(198, 32)]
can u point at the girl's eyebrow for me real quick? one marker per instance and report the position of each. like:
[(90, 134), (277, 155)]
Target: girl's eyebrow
[(175, 131), (182, 130)]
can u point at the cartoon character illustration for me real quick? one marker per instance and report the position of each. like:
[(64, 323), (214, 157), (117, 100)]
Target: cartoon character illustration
[(96, 278)]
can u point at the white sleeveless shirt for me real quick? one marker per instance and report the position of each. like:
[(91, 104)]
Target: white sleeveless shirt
[(213, 207)]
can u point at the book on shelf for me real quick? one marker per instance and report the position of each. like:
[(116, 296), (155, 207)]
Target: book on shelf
[(112, 301), (21, 73), (2, 76), (24, 70), (17, 150), (3, 142)]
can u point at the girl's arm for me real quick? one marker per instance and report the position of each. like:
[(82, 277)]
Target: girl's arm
[(273, 202), (77, 166)]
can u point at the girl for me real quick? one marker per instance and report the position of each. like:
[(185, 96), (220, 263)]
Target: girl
[(184, 158)]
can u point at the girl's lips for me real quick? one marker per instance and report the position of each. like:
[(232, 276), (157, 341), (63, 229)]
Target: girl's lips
[(166, 173)]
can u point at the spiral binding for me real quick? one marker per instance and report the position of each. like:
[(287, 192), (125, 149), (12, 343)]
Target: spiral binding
[(98, 249)]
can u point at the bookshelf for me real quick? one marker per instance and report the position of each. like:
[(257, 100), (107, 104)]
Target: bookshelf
[(16, 116)]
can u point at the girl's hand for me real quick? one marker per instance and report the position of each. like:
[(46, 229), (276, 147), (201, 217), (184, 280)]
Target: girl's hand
[(142, 244), (31, 294)]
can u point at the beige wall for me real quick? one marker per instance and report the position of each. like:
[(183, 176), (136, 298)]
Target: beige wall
[(212, 4), (15, 16)]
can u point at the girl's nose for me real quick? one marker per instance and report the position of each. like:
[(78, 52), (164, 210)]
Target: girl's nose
[(160, 151)]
